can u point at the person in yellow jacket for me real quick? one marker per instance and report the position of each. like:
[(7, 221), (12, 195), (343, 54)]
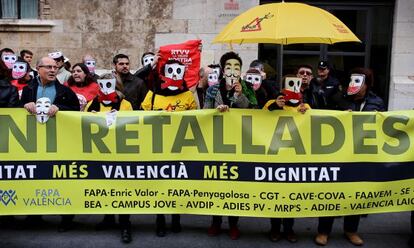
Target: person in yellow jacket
[(290, 97), (290, 100), (110, 99), (169, 93)]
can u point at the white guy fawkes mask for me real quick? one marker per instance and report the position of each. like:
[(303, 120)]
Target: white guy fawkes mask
[(9, 60), (147, 59), (212, 79), (42, 109), (293, 84), (91, 64), (107, 86), (254, 79), (19, 70), (232, 70), (356, 83), (55, 55)]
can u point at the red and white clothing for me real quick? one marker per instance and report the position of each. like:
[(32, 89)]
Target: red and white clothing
[(85, 94)]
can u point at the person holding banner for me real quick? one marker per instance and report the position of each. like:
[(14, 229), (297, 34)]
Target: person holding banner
[(358, 97), (291, 100), (209, 75), (9, 96), (228, 93), (47, 85), (80, 82), (60, 98), (170, 93), (110, 99)]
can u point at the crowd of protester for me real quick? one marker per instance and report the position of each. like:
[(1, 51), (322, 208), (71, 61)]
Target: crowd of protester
[(221, 86)]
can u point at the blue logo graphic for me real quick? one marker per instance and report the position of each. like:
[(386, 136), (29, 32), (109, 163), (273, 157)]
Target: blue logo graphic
[(8, 196)]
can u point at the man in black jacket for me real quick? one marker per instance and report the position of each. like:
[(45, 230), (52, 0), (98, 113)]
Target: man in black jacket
[(9, 97), (46, 85), (134, 88), (322, 89), (62, 98)]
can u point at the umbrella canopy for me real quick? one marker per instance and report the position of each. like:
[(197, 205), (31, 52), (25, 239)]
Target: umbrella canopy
[(285, 23)]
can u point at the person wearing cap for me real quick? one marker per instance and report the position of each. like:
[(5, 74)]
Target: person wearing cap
[(66, 63), (358, 97), (323, 88), (62, 74)]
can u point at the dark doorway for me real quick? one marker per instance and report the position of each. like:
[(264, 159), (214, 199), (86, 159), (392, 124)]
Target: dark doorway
[(371, 21)]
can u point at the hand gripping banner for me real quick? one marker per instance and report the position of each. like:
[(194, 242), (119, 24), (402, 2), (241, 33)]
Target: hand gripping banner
[(242, 162)]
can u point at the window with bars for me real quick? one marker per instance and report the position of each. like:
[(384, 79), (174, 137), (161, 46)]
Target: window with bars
[(19, 9)]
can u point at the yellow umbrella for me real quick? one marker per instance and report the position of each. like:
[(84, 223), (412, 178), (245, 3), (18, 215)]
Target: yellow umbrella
[(285, 23)]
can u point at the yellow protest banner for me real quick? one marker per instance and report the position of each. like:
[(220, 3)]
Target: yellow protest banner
[(242, 162)]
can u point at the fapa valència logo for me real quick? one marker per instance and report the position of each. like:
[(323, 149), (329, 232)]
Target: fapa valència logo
[(8, 197)]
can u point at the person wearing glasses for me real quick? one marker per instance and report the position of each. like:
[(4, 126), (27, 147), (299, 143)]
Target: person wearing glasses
[(46, 85), (305, 72)]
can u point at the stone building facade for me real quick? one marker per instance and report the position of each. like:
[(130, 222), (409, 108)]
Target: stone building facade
[(105, 28)]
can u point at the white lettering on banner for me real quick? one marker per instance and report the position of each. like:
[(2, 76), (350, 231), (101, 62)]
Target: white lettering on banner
[(145, 171), (17, 171), (297, 174)]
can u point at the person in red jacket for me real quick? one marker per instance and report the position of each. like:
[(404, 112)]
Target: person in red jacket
[(21, 75)]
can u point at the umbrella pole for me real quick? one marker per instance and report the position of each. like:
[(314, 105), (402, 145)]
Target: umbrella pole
[(280, 66)]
